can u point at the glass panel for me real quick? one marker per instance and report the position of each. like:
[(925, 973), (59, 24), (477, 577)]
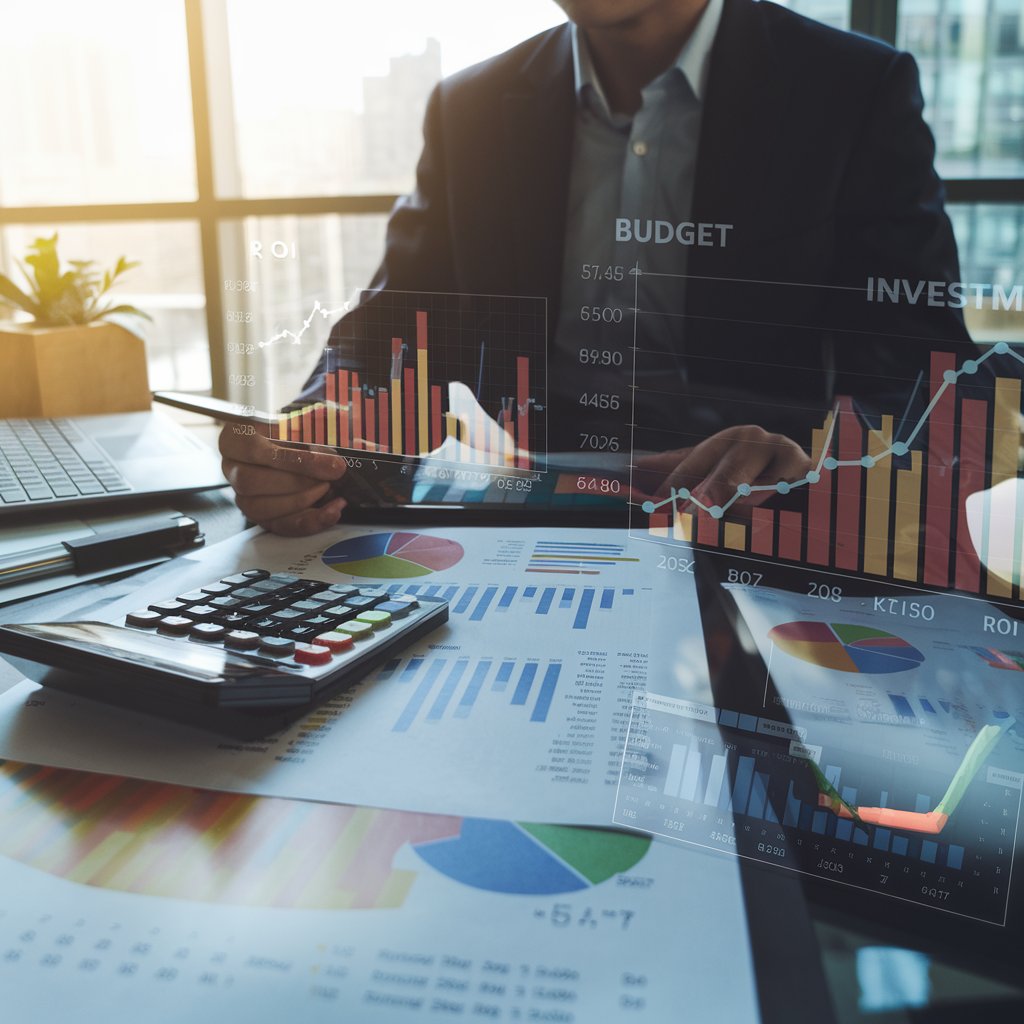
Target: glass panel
[(972, 75), (991, 242), (830, 12), (279, 272), (331, 101), (168, 285), (93, 111)]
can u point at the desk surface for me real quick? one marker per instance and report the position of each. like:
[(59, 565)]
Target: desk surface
[(871, 970)]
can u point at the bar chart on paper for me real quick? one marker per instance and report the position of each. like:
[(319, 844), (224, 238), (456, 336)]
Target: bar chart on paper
[(741, 789), (449, 688), (560, 607)]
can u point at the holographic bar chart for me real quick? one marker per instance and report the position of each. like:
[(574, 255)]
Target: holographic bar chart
[(755, 794), (410, 412), (891, 499)]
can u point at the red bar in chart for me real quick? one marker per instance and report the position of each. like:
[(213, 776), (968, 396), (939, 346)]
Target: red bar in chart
[(523, 410), (344, 430), (848, 489), (939, 474), (973, 435), (790, 535), (762, 531), (410, 412)]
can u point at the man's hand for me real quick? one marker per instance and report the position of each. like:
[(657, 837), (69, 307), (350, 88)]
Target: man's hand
[(277, 487), (721, 466)]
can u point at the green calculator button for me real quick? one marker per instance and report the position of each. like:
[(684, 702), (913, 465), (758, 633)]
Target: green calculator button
[(377, 620), (354, 628)]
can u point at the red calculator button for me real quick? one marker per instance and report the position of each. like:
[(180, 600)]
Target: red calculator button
[(310, 654)]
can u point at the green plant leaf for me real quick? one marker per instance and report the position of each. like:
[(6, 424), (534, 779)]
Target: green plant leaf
[(123, 308), (45, 266)]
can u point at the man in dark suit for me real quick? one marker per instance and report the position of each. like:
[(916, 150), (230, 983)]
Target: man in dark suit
[(803, 151)]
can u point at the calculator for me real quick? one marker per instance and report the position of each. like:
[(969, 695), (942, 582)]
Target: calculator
[(243, 655)]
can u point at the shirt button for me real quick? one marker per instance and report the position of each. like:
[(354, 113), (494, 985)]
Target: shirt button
[(640, 148)]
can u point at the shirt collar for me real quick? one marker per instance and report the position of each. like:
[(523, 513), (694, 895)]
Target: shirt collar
[(694, 60)]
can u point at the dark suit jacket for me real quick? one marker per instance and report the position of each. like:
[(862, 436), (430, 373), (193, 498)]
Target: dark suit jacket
[(812, 146)]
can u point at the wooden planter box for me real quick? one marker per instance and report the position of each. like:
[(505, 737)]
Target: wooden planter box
[(71, 371)]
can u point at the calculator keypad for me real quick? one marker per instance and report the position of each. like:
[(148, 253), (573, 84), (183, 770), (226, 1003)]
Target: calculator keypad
[(277, 615)]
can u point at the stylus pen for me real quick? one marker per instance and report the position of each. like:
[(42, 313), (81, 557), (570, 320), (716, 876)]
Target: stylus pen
[(156, 537)]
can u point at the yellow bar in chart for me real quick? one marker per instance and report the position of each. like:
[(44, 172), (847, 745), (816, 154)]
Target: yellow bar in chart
[(878, 497), (1002, 525), (907, 537), (735, 536), (682, 526), (422, 384), (396, 417)]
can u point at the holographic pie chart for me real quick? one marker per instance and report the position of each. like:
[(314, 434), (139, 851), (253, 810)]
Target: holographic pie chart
[(392, 556), (845, 647)]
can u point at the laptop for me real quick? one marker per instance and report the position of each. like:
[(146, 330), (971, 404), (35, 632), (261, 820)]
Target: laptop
[(99, 460)]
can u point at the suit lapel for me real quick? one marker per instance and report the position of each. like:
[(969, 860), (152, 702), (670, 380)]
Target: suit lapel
[(538, 113), (746, 99)]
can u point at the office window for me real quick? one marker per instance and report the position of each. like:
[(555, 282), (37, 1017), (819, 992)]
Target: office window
[(972, 77), (330, 99), (991, 242), (830, 12), (94, 111), (278, 273), (308, 125)]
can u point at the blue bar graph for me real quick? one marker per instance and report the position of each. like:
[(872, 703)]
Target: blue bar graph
[(902, 706), (860, 837), (792, 813), (447, 691), (922, 803), (691, 774), (955, 857), (411, 709), (583, 612), (927, 705), (480, 601), (445, 688), (844, 829), (547, 693), (501, 680), (676, 763), (758, 795), (899, 845), (881, 840), (928, 850), (483, 604), (472, 691), (526, 677), (818, 822), (741, 787)]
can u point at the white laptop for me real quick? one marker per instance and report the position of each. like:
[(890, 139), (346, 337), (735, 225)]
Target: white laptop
[(92, 460)]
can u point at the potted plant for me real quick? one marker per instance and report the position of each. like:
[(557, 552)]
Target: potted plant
[(71, 358)]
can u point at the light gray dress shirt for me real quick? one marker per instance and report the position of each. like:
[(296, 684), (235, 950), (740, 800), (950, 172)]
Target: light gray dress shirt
[(640, 167)]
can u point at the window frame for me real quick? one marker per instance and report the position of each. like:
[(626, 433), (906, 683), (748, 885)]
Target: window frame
[(870, 17)]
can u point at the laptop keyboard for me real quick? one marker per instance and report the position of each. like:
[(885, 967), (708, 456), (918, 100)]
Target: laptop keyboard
[(42, 460)]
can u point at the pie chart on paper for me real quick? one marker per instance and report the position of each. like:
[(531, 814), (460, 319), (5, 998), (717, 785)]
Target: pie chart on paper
[(846, 648), (393, 556)]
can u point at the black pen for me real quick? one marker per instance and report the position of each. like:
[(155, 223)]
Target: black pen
[(154, 537)]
